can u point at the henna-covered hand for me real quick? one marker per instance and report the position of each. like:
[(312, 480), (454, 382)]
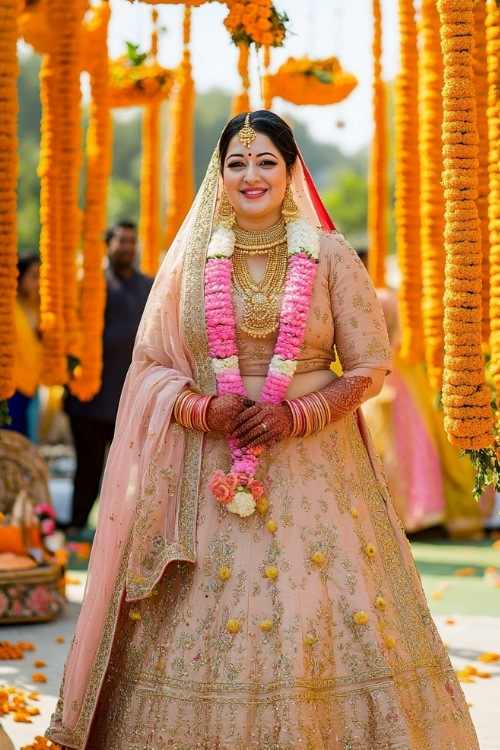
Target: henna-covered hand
[(223, 411), (345, 394), (263, 425)]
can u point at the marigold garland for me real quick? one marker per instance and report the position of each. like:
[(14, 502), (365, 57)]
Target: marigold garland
[(493, 56), (306, 81), (464, 360), (481, 86), (149, 222), (179, 155), (33, 25), (378, 193), (241, 102), (255, 22), (87, 376), (432, 203), (406, 211), (8, 201), (132, 84)]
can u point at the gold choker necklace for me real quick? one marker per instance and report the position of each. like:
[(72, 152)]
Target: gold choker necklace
[(252, 242)]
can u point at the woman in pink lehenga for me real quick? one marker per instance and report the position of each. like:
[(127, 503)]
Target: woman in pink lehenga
[(250, 585)]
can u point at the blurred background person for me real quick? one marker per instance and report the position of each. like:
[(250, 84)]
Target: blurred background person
[(23, 405), (93, 422)]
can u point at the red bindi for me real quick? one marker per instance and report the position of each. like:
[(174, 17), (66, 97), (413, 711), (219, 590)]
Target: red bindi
[(249, 154)]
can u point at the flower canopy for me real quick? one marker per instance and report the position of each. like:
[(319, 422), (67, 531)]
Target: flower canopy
[(305, 81)]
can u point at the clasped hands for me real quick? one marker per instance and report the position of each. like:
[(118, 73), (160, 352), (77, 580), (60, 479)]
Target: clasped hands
[(254, 425)]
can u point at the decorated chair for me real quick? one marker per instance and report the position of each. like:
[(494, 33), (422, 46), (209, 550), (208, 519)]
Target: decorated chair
[(31, 575)]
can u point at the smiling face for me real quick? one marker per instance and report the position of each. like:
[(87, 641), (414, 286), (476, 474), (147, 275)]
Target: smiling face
[(255, 181)]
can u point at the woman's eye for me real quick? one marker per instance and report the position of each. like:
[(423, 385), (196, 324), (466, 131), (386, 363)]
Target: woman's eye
[(234, 164), (268, 163)]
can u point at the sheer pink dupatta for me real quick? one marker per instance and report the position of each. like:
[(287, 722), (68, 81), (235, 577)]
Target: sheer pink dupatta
[(147, 510)]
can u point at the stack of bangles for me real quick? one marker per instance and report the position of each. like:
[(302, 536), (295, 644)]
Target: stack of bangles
[(190, 410), (310, 414)]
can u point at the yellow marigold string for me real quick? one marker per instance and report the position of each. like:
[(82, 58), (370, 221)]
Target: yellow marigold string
[(179, 156), (87, 377), (481, 86), (8, 170), (241, 102), (149, 223), (493, 56), (34, 27), (468, 415), (406, 211), (432, 202), (378, 193)]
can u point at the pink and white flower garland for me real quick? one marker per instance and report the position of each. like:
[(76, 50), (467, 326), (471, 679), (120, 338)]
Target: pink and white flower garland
[(239, 490)]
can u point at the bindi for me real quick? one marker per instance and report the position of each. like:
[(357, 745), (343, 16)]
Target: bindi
[(249, 154)]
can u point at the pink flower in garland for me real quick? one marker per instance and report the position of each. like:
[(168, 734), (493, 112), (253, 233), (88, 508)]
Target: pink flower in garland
[(303, 251)]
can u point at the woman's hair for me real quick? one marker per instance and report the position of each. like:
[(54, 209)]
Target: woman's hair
[(267, 123), (24, 263)]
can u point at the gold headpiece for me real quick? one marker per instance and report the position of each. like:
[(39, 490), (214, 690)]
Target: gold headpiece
[(247, 134)]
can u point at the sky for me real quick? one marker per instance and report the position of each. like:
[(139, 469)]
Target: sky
[(317, 28)]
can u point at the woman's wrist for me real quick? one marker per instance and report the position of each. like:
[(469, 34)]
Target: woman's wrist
[(190, 410), (310, 413)]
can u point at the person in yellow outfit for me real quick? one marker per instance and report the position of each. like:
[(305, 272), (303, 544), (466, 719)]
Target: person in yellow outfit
[(28, 352)]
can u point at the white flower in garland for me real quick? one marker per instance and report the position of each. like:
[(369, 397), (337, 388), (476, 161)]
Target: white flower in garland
[(302, 238), (283, 366), (242, 504), (229, 363), (222, 243)]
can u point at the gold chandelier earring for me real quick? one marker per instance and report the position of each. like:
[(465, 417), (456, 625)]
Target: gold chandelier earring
[(289, 210), (225, 212)]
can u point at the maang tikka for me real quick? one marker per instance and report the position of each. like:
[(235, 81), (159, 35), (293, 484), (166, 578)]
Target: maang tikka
[(247, 134)]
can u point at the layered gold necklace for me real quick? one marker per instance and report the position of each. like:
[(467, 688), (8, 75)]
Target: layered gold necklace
[(260, 304)]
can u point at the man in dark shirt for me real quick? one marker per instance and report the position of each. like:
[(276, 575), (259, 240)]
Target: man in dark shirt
[(93, 422)]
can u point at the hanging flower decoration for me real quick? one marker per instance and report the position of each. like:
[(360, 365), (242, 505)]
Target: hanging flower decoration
[(378, 193), (241, 102), (192, 3), (86, 379), (136, 79), (149, 222), (481, 86), (305, 81), (466, 397), (8, 219), (60, 159), (431, 191), (33, 25), (179, 152), (255, 22), (493, 55), (406, 212)]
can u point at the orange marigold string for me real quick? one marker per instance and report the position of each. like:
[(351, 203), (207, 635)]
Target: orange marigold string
[(267, 97), (87, 376), (68, 53), (472, 429), (481, 87), (432, 202), (378, 193), (406, 211), (8, 218), (241, 102), (493, 57), (149, 223), (179, 156)]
